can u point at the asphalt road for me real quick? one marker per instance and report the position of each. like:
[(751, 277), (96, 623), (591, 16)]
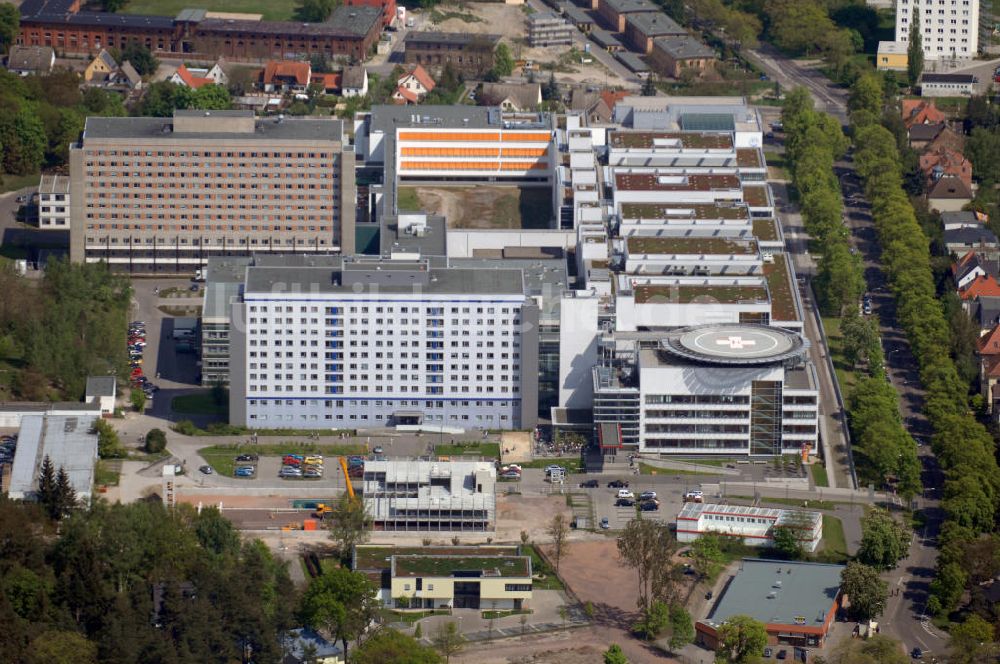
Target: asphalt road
[(904, 617)]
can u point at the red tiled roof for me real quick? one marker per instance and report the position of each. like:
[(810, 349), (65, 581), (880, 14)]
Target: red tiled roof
[(991, 366), (192, 81), (950, 161), (612, 97), (989, 343), (959, 267), (985, 285), (422, 77), (919, 111), (406, 96), (330, 82), (300, 71)]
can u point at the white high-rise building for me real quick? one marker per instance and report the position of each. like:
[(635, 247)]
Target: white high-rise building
[(948, 28), (322, 342)]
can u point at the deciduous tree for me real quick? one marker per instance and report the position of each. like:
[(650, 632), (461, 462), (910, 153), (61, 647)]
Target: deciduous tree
[(865, 591), (156, 441), (503, 62), (350, 524), (10, 22), (448, 640), (884, 540), (343, 603), (646, 546), (559, 532), (741, 639)]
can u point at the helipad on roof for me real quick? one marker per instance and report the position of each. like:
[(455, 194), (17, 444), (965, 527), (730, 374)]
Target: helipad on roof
[(734, 344)]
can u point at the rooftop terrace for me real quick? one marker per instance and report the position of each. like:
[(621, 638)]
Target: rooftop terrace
[(779, 283), (688, 294), (444, 566), (690, 245), (656, 182)]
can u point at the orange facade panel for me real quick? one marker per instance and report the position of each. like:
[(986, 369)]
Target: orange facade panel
[(523, 165), (459, 136), (525, 152), (451, 152), (526, 137), (448, 166)]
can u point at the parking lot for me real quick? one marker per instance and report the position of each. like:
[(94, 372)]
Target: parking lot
[(604, 499)]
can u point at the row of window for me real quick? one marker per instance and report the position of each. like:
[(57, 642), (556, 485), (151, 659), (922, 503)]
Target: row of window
[(430, 311), (184, 154)]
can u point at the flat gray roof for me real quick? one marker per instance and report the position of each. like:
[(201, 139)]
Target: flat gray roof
[(354, 21), (433, 242), (632, 61), (382, 276), (683, 47), (100, 386), (387, 118), (68, 443), (605, 38), (161, 129), (630, 6), (223, 282), (654, 24), (433, 37), (546, 278), (779, 592), (576, 15)]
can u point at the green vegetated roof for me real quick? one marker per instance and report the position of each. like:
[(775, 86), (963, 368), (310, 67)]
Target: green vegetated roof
[(495, 566), (698, 211), (765, 229), (690, 245), (779, 283), (645, 139), (689, 294), (378, 557), (755, 195), (749, 158)]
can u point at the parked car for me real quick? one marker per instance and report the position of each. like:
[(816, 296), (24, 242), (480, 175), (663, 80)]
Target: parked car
[(624, 502), (590, 484), (291, 461), (247, 457), (767, 652), (625, 493), (511, 475), (553, 466), (917, 653), (648, 495), (377, 449), (617, 484), (649, 506), (290, 471), (709, 595), (244, 471), (605, 524), (782, 654), (207, 470), (312, 471)]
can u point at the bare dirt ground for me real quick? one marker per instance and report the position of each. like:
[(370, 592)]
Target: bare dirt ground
[(486, 207), (515, 446), (533, 514), (593, 571), (575, 646)]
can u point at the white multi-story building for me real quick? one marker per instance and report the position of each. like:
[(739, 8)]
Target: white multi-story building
[(708, 390), (949, 29), (755, 526), (53, 202), (410, 494), (321, 342)]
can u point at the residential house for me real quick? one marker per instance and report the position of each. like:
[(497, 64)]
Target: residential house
[(986, 312), (307, 646), (599, 107), (920, 111), (939, 163), (986, 286), (672, 56), (922, 135), (216, 73), (970, 238), (971, 267), (26, 60), (354, 81), (101, 68), (413, 86), (949, 193), (286, 76), (962, 219), (988, 352), (184, 76), (947, 85), (512, 96), (129, 76), (330, 83), (947, 138), (892, 56)]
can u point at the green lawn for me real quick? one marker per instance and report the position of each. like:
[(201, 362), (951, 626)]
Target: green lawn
[(201, 403), (819, 475), (846, 375), (15, 182), (487, 615), (281, 10), (489, 450), (107, 472), (412, 616), (780, 163), (406, 199), (834, 542), (540, 567), (794, 502)]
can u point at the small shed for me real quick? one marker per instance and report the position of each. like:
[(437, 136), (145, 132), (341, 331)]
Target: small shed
[(105, 390)]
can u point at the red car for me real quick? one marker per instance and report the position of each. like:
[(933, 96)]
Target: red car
[(291, 461)]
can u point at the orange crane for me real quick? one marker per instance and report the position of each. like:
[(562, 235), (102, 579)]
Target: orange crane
[(347, 478)]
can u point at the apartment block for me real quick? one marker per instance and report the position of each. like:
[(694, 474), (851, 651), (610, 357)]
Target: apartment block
[(155, 195), (949, 29), (465, 52), (549, 29), (323, 341), (430, 496), (53, 202)]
